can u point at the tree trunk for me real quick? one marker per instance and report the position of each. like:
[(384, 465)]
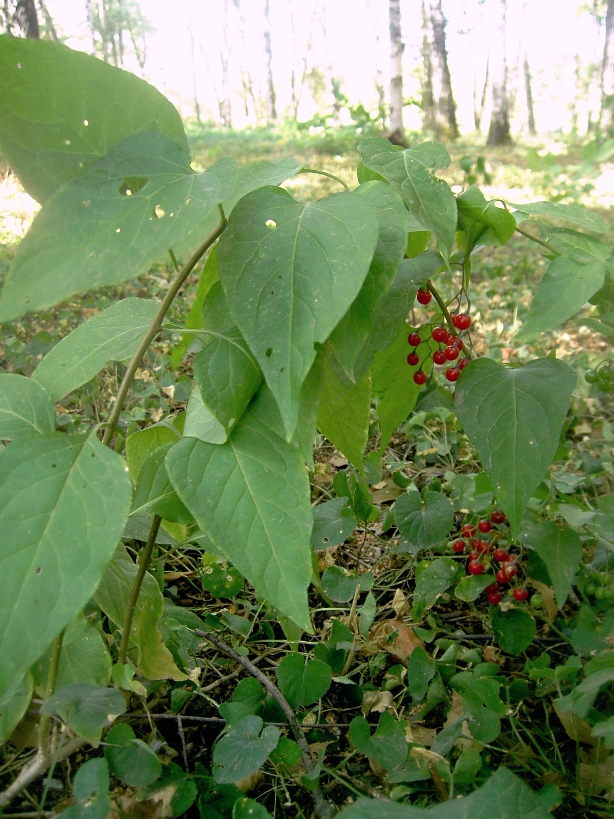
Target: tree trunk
[(480, 104), (499, 130), (607, 73), (437, 98), (49, 25), (396, 132), (272, 99), (22, 17), (528, 88)]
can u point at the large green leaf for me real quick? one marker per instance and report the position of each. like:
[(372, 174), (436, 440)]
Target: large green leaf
[(86, 709), (561, 551), (151, 657), (92, 232), (578, 246), (154, 492), (25, 408), (225, 370), (565, 287), (344, 414), (251, 496), (290, 273), (575, 215), (143, 442), (64, 501), (113, 335), (60, 110), (428, 198), (393, 381), (483, 221), (514, 419), (351, 337), (423, 528), (244, 749), (15, 707)]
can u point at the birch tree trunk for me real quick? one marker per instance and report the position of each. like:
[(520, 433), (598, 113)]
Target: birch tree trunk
[(499, 130), (437, 99), (396, 132), (607, 72), (272, 99)]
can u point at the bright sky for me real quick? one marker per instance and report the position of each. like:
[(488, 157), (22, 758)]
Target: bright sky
[(350, 38)]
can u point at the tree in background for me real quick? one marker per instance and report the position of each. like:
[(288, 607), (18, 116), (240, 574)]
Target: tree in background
[(607, 72), (112, 24), (20, 18), (438, 106), (396, 131), (499, 129), (271, 98)]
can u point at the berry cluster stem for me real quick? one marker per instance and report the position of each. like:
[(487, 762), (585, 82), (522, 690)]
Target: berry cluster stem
[(431, 287)]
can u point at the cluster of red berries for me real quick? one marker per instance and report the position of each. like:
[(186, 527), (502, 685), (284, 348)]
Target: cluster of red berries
[(484, 552), (452, 344)]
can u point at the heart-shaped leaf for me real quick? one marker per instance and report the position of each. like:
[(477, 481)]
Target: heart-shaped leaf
[(290, 276), (243, 750), (514, 629), (87, 709), (387, 745), (514, 419), (333, 523), (423, 528), (129, 758), (303, 683)]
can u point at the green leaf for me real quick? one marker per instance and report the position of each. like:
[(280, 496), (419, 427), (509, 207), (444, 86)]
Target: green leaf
[(484, 222), (15, 707), (471, 586), (428, 198), (387, 746), (503, 796), (393, 381), (423, 528), (345, 413), (225, 371), (319, 254), (250, 176), (340, 586), (61, 110), (302, 683), (561, 551), (129, 758), (221, 582), (208, 278), (578, 246), (113, 335), (243, 750), (575, 215), (565, 287), (514, 419), (200, 422), (86, 709), (420, 671), (141, 444), (84, 657), (603, 324), (91, 233), (514, 629), (251, 496), (64, 501), (92, 777), (433, 580), (352, 336), (333, 523), (151, 657), (154, 491), (245, 808), (25, 408)]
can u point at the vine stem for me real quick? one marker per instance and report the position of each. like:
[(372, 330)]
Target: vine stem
[(539, 241), (323, 809), (325, 173), (52, 676), (155, 326), (430, 286), (39, 765), (144, 561)]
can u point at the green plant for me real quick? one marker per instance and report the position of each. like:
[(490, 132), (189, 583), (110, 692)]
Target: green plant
[(301, 317)]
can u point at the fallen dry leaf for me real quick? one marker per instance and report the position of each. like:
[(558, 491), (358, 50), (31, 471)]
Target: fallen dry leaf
[(575, 727), (399, 603), (377, 701), (401, 646), (596, 778), (549, 601), (385, 491)]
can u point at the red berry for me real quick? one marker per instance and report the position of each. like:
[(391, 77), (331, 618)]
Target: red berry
[(458, 547), (510, 569), (424, 296), (452, 374), (468, 530), (440, 334), (462, 363), (494, 587), (501, 555), (462, 321), (498, 516), (474, 554), (502, 578), (494, 598), (439, 357), (414, 339), (451, 353), (483, 546), (458, 343), (475, 567), (521, 594), (420, 377), (413, 359), (449, 338), (484, 526)]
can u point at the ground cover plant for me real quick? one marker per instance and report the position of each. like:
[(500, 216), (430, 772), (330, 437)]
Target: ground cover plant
[(312, 545)]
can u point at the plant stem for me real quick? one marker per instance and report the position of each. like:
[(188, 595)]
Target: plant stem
[(430, 286), (539, 241), (154, 328), (52, 676), (144, 561), (325, 173), (39, 765), (323, 809)]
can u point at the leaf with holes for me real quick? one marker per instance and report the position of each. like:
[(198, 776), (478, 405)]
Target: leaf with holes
[(112, 222), (64, 501), (333, 523), (514, 419), (113, 335), (290, 273), (61, 110)]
